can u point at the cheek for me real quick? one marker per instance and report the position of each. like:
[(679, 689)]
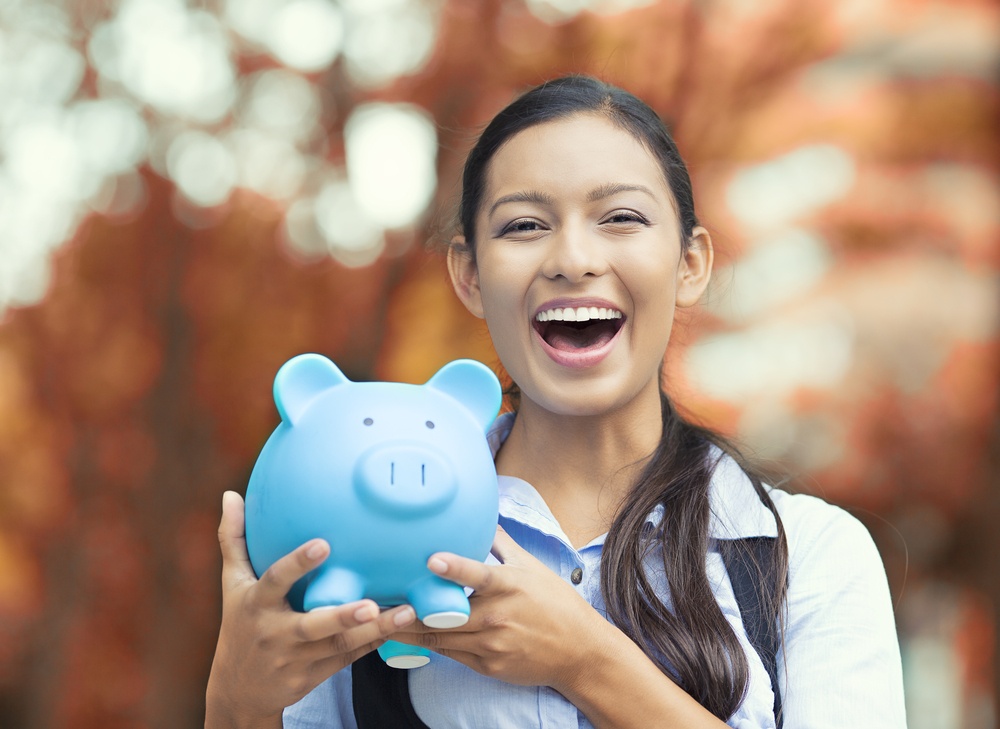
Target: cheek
[(501, 307)]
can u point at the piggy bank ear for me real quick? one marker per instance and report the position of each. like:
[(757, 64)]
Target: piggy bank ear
[(300, 380), (475, 387)]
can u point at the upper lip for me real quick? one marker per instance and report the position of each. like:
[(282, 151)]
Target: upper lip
[(577, 303)]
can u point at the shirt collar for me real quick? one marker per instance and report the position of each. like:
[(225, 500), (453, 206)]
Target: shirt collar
[(735, 508)]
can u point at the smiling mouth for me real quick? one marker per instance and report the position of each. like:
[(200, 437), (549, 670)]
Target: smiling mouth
[(581, 328)]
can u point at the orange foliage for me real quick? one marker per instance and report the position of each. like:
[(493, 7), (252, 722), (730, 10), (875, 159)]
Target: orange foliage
[(140, 388)]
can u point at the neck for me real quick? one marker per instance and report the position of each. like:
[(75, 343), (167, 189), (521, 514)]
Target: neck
[(582, 465)]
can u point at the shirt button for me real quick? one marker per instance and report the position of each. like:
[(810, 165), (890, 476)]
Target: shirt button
[(576, 576)]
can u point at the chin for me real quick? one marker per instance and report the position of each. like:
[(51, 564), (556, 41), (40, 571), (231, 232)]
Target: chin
[(581, 400)]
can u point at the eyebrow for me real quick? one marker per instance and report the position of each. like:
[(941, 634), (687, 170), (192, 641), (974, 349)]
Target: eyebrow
[(527, 196), (598, 193), (615, 188)]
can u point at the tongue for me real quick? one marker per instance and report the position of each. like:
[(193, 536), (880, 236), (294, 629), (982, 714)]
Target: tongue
[(567, 337)]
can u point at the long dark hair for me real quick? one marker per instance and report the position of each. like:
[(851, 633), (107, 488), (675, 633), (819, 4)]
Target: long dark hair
[(693, 642)]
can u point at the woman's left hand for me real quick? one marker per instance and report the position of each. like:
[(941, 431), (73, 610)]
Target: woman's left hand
[(527, 626)]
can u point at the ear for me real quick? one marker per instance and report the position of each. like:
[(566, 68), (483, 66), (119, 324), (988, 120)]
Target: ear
[(465, 275), (695, 269), (473, 385), (300, 380)]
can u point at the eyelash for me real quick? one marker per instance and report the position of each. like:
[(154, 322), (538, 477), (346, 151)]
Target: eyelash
[(512, 226), (619, 216), (629, 216)]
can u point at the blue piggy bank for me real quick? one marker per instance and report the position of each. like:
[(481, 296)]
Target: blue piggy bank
[(387, 473)]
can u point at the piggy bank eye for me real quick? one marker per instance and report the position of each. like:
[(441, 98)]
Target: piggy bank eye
[(430, 424), (368, 421)]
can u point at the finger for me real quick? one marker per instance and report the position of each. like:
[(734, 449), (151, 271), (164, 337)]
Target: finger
[(324, 623), (466, 572), (278, 579), (326, 667), (438, 640), (371, 634), (236, 565)]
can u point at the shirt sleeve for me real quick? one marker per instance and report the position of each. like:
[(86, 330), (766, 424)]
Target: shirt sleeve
[(328, 706), (841, 664)]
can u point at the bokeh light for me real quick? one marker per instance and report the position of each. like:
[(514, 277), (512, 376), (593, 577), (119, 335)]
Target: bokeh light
[(391, 154), (789, 187)]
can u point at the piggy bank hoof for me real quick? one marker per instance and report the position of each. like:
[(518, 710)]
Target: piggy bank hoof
[(407, 661), (449, 619)]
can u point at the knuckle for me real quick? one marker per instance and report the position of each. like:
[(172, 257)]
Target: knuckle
[(492, 621), (486, 580), (298, 684), (492, 646), (430, 640), (274, 579), (280, 663), (265, 642), (491, 666), (301, 631), (339, 643)]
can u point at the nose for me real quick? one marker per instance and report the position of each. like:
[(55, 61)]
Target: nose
[(404, 480), (574, 253)]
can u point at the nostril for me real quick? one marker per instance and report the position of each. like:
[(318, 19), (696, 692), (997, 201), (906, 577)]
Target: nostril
[(404, 479)]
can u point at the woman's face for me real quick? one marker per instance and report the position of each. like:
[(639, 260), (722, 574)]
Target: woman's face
[(579, 265)]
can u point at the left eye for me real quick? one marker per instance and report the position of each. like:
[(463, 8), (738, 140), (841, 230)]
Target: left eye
[(625, 216), (430, 424)]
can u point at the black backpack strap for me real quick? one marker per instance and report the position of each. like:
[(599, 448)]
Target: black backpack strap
[(753, 574), (382, 695)]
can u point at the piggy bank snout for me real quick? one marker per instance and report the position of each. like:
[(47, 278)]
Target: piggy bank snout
[(404, 479)]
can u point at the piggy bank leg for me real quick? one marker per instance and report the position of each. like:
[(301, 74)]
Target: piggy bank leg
[(440, 603), (332, 586), (401, 655)]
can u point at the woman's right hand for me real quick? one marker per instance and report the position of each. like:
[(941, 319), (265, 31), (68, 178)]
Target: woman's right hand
[(269, 656)]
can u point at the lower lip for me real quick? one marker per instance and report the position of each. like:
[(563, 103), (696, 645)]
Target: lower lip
[(578, 359)]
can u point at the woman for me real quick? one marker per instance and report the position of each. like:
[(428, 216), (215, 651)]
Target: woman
[(611, 600)]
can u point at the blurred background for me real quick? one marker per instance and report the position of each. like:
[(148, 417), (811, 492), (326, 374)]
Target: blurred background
[(192, 191)]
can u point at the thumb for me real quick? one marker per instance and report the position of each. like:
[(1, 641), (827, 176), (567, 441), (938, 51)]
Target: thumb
[(236, 565)]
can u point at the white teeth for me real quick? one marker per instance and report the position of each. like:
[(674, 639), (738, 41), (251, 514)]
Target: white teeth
[(582, 313)]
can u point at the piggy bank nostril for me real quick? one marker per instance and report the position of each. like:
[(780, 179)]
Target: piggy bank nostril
[(405, 478), (392, 474)]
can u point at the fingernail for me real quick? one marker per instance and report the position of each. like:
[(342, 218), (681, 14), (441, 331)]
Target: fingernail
[(404, 617), (316, 550), (365, 613), (437, 565)]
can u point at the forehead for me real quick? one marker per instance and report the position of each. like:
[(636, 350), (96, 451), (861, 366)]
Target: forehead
[(573, 156)]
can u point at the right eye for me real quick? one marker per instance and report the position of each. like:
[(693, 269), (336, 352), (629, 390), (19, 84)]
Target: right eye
[(369, 421)]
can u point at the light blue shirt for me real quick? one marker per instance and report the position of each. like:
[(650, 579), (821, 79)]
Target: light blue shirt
[(839, 667)]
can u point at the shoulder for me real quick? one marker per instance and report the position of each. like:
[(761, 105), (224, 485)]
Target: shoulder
[(821, 532), (836, 579), (841, 663)]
